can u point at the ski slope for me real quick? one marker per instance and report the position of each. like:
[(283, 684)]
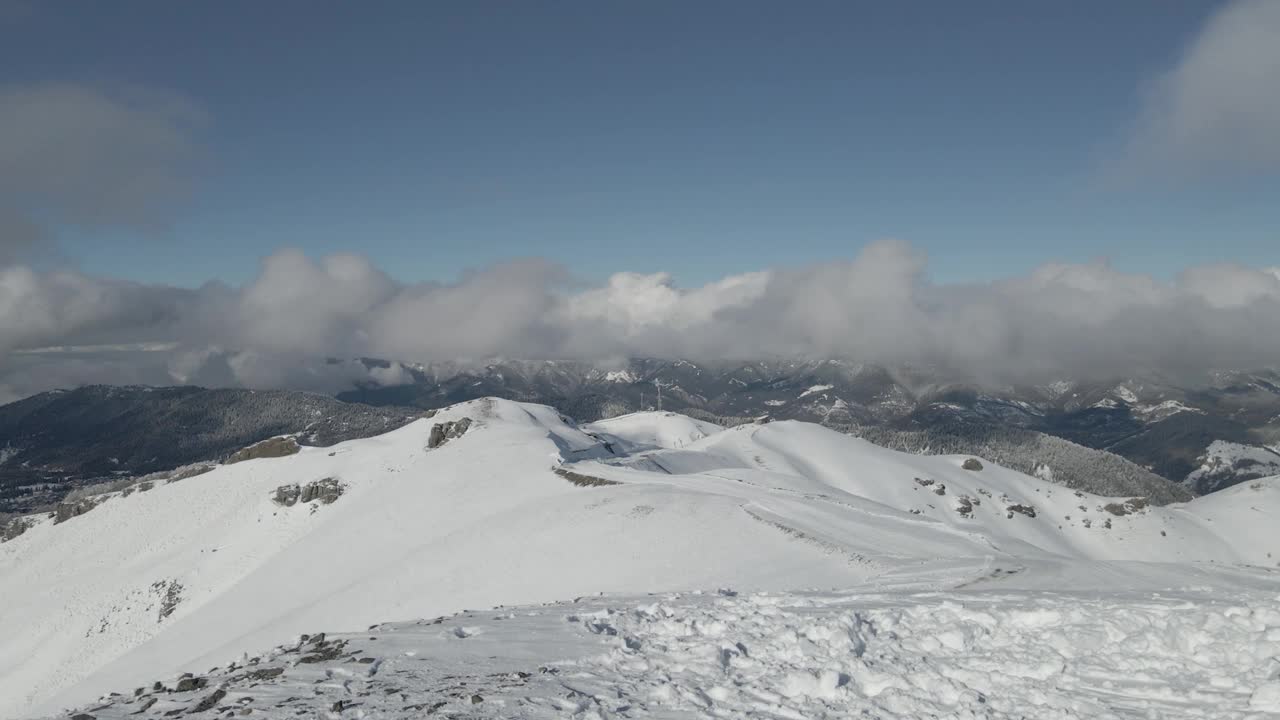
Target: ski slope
[(525, 507)]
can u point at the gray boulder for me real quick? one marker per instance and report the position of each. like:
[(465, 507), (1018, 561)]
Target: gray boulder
[(443, 432), (325, 491), (67, 510)]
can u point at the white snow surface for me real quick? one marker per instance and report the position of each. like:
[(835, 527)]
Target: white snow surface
[(651, 430), (1165, 409), (1044, 601), (1058, 388), (1222, 456), (1125, 394), (816, 389), (1003, 652)]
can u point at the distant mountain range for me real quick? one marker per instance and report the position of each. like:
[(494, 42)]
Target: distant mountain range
[(1132, 436), (1223, 431), (54, 441)]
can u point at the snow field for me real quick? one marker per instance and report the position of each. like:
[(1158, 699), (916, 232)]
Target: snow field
[(963, 656), (995, 655), (663, 503)]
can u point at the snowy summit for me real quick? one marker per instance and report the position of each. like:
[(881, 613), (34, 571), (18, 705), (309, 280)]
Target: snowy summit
[(767, 570)]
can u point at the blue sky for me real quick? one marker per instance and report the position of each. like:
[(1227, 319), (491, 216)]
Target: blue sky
[(700, 138)]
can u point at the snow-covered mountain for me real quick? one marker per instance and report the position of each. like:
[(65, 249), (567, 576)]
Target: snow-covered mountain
[(53, 442), (1141, 436), (1223, 463), (493, 502), (1163, 426)]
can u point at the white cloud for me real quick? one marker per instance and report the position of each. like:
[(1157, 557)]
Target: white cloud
[(1218, 109), (78, 155), (635, 303), (1231, 286), (69, 308), (280, 329), (302, 306)]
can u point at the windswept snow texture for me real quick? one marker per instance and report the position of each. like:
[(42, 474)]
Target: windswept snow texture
[(996, 654), (197, 573)]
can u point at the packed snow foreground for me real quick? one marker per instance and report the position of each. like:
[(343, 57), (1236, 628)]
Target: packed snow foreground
[(646, 566)]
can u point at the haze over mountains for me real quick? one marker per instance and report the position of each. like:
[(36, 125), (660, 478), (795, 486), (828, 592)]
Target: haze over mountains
[(1210, 435), (54, 442), (1138, 436)]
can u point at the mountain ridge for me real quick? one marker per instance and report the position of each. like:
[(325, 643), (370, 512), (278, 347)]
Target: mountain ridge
[(1161, 425), (195, 572), (56, 441)]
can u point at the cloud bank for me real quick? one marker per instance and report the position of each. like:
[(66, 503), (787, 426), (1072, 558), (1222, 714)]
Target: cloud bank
[(1077, 320), (1218, 109), (81, 156), (72, 155)]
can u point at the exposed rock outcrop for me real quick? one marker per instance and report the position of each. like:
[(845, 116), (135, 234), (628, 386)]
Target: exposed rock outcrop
[(1128, 507), (190, 471), (583, 480), (287, 495), (188, 682), (965, 505), (210, 702), (1027, 510), (64, 511), (16, 527), (318, 650), (170, 594), (443, 432), (270, 448), (325, 491)]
